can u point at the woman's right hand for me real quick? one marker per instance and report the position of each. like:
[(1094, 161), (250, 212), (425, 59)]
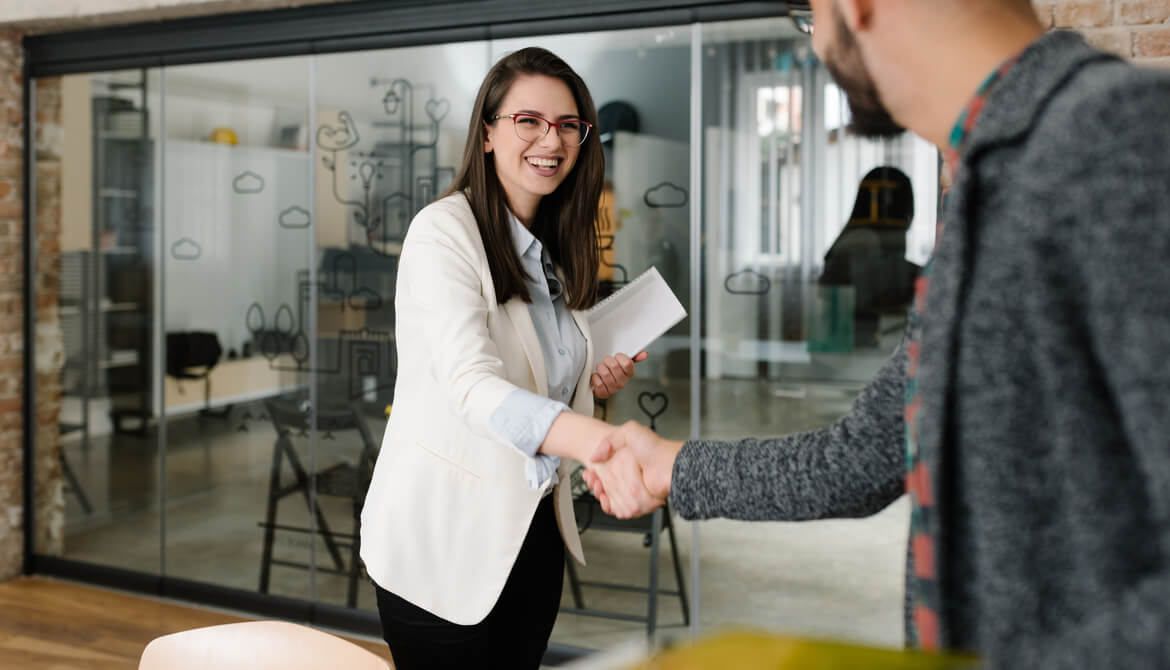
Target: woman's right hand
[(619, 485)]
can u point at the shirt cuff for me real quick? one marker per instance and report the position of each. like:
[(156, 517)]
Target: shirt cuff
[(524, 419)]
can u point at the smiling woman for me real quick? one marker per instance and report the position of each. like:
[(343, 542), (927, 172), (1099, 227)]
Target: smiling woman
[(467, 520)]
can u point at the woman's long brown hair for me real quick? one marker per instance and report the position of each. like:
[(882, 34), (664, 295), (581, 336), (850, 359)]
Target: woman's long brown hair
[(565, 219)]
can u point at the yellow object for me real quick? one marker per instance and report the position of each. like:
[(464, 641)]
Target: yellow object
[(749, 650), (224, 136), (388, 410)]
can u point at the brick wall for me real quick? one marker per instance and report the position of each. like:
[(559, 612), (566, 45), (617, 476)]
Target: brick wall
[(49, 350), (50, 341), (11, 308), (1136, 29)]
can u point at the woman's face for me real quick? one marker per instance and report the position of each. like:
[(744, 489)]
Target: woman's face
[(530, 170)]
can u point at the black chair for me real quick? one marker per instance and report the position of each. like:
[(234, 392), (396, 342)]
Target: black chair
[(290, 416), (192, 355), (591, 517)]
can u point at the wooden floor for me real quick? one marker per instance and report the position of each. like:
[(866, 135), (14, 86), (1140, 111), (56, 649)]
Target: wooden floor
[(51, 625)]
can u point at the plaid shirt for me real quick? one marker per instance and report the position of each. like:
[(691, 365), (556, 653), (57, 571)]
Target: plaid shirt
[(925, 628)]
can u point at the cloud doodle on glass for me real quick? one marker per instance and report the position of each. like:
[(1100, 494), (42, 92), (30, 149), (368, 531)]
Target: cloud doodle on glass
[(294, 218), (186, 249), (248, 183), (747, 282), (665, 195)]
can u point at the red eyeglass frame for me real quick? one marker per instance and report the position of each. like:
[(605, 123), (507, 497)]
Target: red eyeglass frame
[(551, 124)]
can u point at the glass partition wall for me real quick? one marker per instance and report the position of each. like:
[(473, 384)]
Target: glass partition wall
[(229, 236), (97, 158), (809, 250)]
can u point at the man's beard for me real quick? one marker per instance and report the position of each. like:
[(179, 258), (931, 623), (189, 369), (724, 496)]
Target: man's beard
[(869, 117)]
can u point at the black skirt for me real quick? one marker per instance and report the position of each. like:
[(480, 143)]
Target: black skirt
[(514, 634)]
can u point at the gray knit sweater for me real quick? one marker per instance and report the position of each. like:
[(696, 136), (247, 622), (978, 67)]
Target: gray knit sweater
[(1045, 376)]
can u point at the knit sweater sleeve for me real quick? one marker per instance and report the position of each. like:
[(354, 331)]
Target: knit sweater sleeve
[(852, 468)]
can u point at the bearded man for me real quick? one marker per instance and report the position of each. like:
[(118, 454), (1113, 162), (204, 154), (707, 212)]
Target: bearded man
[(1026, 411)]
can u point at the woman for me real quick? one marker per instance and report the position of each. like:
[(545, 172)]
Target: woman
[(869, 255), (465, 526)]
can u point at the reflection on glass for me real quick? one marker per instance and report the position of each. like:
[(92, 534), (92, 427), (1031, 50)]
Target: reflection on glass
[(390, 126), (809, 256), (98, 141), (237, 324), (275, 253)]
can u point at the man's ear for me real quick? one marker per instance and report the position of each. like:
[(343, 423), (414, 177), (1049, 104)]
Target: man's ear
[(857, 14)]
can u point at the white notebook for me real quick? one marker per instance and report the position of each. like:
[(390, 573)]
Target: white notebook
[(634, 316)]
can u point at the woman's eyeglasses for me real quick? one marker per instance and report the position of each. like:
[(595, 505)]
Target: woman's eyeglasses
[(530, 127)]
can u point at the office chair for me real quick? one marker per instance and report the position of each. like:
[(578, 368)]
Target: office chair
[(192, 355), (343, 479), (591, 517)]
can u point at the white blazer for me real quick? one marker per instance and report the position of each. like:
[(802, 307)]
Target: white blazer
[(449, 507)]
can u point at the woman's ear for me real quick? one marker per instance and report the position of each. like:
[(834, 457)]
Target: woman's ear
[(487, 139)]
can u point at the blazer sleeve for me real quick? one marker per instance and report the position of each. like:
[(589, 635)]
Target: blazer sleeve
[(853, 468), (442, 314)]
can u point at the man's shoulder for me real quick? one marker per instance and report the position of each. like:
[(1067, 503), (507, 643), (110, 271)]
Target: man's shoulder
[(1108, 113)]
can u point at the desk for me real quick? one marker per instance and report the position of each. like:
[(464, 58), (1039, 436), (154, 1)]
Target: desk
[(235, 381)]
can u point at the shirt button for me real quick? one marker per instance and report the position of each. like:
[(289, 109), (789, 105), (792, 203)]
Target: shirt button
[(561, 351)]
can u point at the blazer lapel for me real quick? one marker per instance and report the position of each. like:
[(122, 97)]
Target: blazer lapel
[(584, 392), (517, 311)]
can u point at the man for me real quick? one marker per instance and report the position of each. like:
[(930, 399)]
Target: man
[(1026, 413)]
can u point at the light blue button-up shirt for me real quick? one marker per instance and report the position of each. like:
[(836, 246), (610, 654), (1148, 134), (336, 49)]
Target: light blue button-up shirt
[(523, 417)]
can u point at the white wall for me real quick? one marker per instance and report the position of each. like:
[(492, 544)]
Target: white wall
[(225, 249)]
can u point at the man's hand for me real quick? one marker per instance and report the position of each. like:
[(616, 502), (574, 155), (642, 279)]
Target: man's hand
[(620, 478), (612, 374), (632, 451)]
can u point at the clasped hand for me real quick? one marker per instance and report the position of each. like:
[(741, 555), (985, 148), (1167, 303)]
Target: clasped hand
[(630, 470)]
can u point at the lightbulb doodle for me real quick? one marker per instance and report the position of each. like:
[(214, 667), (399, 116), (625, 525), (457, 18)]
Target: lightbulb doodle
[(393, 177)]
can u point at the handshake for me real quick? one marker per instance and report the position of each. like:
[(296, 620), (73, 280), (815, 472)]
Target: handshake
[(630, 470)]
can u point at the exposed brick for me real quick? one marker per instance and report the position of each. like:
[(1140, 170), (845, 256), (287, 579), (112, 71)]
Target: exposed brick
[(11, 326), (1136, 12), (1152, 43), (1114, 40), (1083, 13), (11, 209), (1044, 11)]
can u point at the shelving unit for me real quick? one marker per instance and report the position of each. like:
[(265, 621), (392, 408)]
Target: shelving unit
[(107, 291)]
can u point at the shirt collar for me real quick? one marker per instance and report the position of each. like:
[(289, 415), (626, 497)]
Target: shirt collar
[(953, 152), (523, 238)]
